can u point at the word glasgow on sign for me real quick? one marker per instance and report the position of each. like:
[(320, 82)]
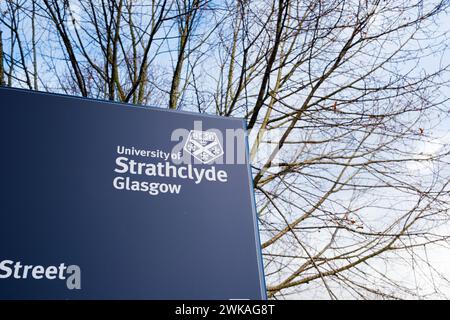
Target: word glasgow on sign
[(108, 201)]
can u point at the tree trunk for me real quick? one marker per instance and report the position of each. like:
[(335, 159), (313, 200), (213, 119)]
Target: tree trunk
[(33, 46), (2, 81)]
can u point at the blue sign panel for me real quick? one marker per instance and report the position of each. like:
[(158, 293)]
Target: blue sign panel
[(109, 201)]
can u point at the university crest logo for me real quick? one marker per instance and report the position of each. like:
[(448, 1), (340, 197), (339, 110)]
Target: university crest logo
[(203, 145)]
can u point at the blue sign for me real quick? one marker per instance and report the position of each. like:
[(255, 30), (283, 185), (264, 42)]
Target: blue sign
[(102, 200)]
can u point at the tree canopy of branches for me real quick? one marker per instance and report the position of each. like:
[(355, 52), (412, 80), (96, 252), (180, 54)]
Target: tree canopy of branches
[(346, 100)]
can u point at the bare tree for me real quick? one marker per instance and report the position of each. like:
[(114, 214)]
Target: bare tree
[(187, 12), (346, 102)]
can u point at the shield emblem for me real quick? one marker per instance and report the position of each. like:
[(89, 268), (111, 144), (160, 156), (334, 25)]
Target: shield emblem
[(203, 145)]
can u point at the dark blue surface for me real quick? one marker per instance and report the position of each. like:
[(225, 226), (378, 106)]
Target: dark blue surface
[(58, 205)]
